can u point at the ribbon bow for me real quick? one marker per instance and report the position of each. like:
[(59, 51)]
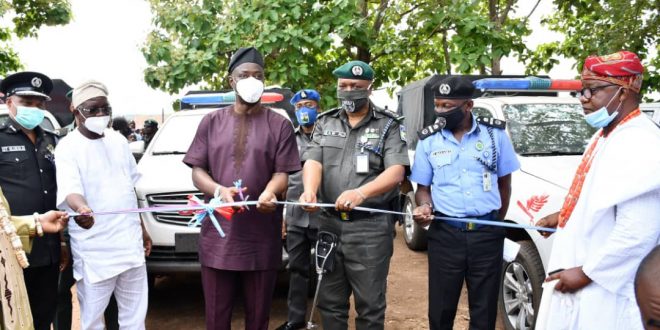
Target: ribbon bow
[(214, 205)]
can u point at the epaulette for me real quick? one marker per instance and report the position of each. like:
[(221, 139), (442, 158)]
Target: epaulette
[(388, 113), (57, 133), (491, 122), (328, 112), (429, 130)]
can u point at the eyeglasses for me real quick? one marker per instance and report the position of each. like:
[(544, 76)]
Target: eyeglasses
[(95, 111), (588, 92)]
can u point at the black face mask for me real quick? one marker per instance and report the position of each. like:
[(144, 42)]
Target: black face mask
[(453, 117), (352, 101)]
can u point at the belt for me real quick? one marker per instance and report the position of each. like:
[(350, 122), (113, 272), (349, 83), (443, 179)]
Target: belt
[(468, 226), (349, 216)]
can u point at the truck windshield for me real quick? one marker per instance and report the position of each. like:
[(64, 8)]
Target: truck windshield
[(538, 129), (176, 135)]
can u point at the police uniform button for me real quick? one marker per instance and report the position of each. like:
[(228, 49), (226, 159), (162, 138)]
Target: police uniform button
[(17, 159), (468, 193), (45, 191), (464, 171), (41, 171), (462, 149)]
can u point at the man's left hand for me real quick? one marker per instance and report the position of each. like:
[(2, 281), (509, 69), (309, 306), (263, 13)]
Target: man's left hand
[(266, 202), (146, 242), (570, 280), (348, 200)]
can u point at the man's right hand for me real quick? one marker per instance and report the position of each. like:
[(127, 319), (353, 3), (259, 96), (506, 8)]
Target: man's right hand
[(308, 197), (423, 215), (84, 221), (227, 195), (549, 221)]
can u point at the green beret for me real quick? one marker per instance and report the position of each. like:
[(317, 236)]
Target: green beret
[(354, 70)]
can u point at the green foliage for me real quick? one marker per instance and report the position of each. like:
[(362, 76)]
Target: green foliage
[(304, 40), (27, 16), (603, 27)]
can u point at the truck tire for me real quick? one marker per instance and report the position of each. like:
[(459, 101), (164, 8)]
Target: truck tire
[(413, 234), (520, 288)]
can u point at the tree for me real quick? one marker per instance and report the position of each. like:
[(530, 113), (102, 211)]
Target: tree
[(304, 40), (27, 16), (603, 27)]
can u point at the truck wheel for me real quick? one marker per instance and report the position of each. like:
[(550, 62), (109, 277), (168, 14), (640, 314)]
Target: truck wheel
[(413, 234), (520, 288)]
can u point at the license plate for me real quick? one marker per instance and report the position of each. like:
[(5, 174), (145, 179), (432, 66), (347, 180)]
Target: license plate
[(186, 243)]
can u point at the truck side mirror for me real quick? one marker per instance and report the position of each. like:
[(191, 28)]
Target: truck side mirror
[(137, 149)]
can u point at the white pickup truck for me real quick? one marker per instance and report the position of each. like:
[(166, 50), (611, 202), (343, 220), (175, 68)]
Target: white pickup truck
[(549, 134)]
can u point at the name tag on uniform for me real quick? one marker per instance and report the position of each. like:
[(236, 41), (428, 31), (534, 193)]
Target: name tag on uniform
[(334, 133), (362, 163), (487, 182), (13, 148)]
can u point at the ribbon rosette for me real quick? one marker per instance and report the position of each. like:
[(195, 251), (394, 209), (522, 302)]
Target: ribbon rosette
[(214, 205)]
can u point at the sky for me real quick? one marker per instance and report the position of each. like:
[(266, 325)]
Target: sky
[(104, 38)]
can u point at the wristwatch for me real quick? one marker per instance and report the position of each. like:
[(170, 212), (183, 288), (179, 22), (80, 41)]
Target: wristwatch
[(37, 225)]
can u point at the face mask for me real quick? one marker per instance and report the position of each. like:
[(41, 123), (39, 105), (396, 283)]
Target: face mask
[(306, 116), (352, 101), (601, 118), (97, 124), (29, 117), (453, 117), (250, 89)]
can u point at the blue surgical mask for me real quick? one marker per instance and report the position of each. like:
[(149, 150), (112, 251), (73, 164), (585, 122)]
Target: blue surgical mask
[(601, 118), (306, 116), (29, 117)]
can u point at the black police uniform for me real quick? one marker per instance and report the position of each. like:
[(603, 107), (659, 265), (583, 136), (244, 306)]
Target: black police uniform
[(27, 177), (365, 247)]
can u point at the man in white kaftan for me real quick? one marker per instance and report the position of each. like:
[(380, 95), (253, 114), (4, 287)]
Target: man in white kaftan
[(611, 217), (96, 171)]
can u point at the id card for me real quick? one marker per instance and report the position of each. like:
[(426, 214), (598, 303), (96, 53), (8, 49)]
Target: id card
[(487, 182), (362, 163)]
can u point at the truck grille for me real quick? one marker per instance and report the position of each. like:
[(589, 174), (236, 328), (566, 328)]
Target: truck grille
[(173, 218)]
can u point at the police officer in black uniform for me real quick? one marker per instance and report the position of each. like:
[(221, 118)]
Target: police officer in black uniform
[(27, 177), (357, 157)]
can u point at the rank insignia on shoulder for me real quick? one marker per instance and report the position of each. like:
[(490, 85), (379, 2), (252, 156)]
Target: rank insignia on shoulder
[(491, 122), (439, 124), (402, 132)]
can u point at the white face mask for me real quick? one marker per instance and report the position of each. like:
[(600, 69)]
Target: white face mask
[(250, 89), (97, 124)]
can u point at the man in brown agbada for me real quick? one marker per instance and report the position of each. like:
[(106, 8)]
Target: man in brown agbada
[(250, 142)]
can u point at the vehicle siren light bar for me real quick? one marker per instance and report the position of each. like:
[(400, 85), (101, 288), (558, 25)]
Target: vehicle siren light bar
[(529, 83), (226, 98)]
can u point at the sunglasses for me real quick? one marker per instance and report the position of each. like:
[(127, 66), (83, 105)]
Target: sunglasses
[(107, 110)]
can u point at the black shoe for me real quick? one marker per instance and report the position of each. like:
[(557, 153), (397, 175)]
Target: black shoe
[(291, 326)]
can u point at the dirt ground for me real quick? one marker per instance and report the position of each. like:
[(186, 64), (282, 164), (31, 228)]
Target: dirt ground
[(177, 302)]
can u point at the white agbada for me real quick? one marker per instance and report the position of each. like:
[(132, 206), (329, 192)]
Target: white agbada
[(615, 223), (104, 171)]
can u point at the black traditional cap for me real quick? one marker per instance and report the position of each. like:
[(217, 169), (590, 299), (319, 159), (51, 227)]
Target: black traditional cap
[(27, 84), (245, 55), (150, 123), (354, 70), (453, 87)]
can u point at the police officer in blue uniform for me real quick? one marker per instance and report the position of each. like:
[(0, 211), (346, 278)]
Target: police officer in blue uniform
[(27, 177), (301, 226), (463, 171)]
